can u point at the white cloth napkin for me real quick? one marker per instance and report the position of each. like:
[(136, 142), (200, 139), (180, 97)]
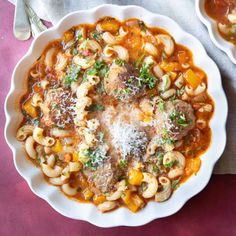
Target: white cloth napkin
[(183, 12)]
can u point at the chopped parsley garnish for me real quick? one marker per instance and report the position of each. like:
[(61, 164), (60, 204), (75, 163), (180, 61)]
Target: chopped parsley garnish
[(74, 51), (180, 92), (78, 36), (146, 76), (100, 68), (38, 160), (180, 118), (100, 88), (170, 164), (95, 157), (96, 35), (123, 163), (161, 104), (96, 107), (139, 61), (165, 140), (160, 156), (72, 73), (119, 62), (92, 71), (155, 169), (175, 183)]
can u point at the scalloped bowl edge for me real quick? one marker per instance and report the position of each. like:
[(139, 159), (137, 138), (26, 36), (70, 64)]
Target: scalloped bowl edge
[(121, 216), (215, 36)]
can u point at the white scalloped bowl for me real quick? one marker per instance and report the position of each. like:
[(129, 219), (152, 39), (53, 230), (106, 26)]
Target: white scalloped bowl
[(88, 212), (215, 36)]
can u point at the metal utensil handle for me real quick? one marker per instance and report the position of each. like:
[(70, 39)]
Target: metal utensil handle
[(36, 24), (21, 27)]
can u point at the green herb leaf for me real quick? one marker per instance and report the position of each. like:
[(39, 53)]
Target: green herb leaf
[(147, 78), (161, 104), (96, 107), (123, 163), (72, 73), (155, 169), (79, 36), (96, 35), (175, 183), (139, 61), (74, 51), (180, 118), (100, 68), (165, 140), (170, 164), (119, 62), (95, 157), (100, 87)]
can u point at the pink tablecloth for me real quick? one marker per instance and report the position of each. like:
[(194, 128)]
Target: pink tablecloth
[(212, 212)]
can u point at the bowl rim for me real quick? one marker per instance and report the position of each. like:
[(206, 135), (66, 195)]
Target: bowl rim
[(122, 217), (228, 48)]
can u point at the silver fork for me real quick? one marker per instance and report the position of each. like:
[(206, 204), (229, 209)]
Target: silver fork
[(21, 26)]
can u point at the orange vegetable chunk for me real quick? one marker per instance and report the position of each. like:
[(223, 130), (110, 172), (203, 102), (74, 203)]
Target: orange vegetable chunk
[(192, 78), (31, 110), (135, 177)]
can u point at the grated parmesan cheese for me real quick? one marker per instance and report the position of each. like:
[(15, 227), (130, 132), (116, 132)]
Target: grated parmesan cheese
[(61, 105), (128, 139)]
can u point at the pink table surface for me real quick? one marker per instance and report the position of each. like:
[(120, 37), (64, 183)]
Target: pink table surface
[(212, 212)]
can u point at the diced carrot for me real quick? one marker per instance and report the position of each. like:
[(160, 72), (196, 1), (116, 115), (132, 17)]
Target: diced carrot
[(83, 181), (87, 194), (31, 110), (170, 66), (192, 166), (138, 202), (132, 201), (111, 25), (126, 196), (192, 78), (196, 164), (57, 147), (67, 157), (135, 177), (75, 156), (98, 199), (69, 35), (173, 75)]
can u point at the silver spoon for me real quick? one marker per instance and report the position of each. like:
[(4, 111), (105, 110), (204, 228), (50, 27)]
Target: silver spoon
[(21, 27), (36, 24)]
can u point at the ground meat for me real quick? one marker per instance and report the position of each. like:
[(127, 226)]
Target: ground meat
[(122, 83), (176, 118), (60, 105), (105, 176)]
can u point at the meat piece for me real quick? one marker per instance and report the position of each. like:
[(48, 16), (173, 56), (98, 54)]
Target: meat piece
[(175, 119), (105, 176), (58, 108), (122, 83)]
